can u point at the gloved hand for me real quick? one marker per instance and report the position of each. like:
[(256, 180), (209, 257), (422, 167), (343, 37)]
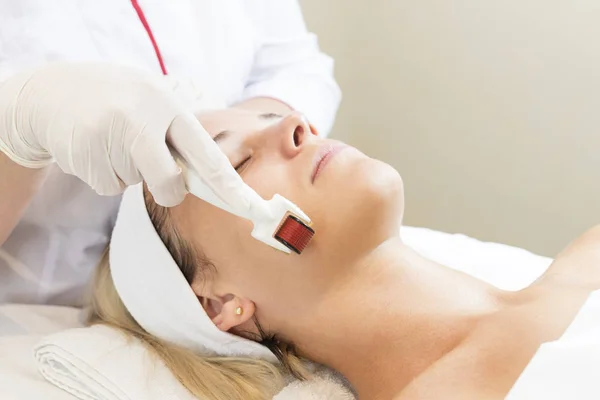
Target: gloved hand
[(106, 124)]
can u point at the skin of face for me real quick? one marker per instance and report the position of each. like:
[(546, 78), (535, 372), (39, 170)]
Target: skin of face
[(355, 203)]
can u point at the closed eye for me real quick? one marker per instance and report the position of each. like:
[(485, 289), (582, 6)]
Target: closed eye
[(240, 167)]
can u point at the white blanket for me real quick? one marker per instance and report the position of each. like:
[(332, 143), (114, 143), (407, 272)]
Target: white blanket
[(22, 326)]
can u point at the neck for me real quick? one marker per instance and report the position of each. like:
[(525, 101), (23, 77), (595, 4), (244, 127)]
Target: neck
[(391, 317)]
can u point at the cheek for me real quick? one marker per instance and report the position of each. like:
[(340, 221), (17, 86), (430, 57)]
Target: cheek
[(240, 260), (356, 206), (221, 235), (268, 177), (229, 237), (341, 204)]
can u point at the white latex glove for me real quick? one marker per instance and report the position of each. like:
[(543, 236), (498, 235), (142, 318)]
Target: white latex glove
[(108, 125)]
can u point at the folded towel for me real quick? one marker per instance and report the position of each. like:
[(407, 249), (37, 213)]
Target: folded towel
[(100, 363)]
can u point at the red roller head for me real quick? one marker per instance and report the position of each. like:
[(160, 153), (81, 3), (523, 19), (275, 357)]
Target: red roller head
[(294, 234)]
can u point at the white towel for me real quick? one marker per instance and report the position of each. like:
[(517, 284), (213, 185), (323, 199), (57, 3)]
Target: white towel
[(100, 363)]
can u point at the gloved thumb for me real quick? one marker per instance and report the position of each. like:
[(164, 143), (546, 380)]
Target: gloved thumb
[(169, 193)]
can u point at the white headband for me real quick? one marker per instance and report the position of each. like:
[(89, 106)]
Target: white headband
[(156, 293)]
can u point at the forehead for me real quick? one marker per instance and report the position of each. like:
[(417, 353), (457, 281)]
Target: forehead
[(234, 120)]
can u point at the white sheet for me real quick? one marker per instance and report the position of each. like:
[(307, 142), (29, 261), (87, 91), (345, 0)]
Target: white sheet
[(568, 368), (21, 327)]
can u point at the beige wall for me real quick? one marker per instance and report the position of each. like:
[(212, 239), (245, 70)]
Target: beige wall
[(490, 110)]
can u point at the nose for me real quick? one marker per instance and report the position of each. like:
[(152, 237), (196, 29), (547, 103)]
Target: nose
[(292, 133)]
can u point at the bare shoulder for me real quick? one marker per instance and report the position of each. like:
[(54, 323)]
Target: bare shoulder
[(488, 363), (579, 263)]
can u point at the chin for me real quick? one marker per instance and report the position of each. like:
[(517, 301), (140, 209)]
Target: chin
[(382, 191), (372, 202), (383, 181)]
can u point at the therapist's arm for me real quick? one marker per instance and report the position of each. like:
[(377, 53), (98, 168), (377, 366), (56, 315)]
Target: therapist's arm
[(289, 67), (18, 185)]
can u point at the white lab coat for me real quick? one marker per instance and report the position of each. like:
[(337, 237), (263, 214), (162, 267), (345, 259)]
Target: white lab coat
[(237, 49)]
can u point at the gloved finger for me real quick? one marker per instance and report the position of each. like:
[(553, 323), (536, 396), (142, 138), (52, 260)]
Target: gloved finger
[(109, 189), (125, 168), (103, 179), (100, 176), (97, 167), (203, 155), (128, 175), (163, 176), (124, 135)]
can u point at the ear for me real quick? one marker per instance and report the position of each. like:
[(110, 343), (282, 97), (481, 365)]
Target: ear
[(233, 312)]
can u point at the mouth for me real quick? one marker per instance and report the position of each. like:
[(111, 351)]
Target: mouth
[(324, 154)]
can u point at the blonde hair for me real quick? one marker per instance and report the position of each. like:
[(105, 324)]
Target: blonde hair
[(206, 377)]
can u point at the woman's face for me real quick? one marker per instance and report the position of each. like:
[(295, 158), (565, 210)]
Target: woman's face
[(354, 202)]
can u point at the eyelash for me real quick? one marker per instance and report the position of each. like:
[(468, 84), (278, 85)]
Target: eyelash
[(242, 164)]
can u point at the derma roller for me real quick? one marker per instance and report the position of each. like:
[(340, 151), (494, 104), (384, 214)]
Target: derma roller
[(277, 222)]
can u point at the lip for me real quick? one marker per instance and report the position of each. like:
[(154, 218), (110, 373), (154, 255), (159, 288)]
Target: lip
[(324, 154)]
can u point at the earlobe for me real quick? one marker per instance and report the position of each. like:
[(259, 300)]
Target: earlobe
[(234, 312)]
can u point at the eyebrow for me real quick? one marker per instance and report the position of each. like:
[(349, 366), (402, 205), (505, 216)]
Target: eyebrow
[(270, 116), (219, 137)]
